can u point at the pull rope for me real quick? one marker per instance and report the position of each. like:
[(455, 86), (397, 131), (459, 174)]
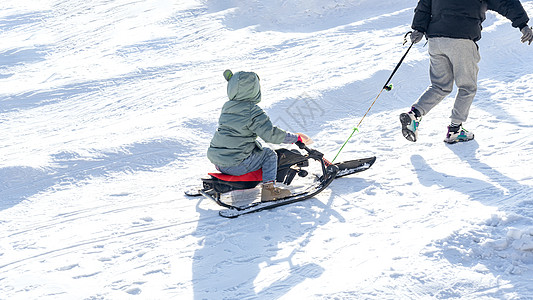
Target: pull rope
[(386, 87)]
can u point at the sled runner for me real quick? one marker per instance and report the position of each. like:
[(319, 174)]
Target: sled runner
[(290, 164)]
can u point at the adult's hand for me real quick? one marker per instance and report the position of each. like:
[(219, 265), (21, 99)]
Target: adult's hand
[(416, 36), (527, 35)]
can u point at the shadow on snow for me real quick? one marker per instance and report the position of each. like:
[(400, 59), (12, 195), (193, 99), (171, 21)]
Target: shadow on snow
[(473, 248), (300, 16), (20, 183), (253, 256)]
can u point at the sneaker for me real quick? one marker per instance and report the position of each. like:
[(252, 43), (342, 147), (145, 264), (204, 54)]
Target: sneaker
[(269, 192), (410, 124), (458, 134)]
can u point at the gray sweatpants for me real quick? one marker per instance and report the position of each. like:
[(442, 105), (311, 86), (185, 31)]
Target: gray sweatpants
[(451, 60)]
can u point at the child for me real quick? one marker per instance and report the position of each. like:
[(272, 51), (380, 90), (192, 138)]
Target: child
[(234, 148)]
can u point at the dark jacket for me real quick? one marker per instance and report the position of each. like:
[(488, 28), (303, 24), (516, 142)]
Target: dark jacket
[(241, 122), (462, 18)]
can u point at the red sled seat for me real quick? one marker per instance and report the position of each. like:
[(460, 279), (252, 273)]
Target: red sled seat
[(223, 183), (256, 175)]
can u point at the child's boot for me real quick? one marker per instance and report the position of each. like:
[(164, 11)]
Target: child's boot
[(269, 192)]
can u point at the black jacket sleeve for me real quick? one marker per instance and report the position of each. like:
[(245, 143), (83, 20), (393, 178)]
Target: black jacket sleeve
[(512, 10), (422, 16)]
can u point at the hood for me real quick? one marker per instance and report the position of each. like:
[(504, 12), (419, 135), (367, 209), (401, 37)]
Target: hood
[(244, 86)]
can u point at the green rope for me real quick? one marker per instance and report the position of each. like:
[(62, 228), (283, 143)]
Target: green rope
[(388, 88), (354, 130)]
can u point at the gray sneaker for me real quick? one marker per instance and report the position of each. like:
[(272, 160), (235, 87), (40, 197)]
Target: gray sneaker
[(458, 134), (410, 125)]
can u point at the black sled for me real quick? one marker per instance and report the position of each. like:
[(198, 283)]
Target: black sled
[(290, 164)]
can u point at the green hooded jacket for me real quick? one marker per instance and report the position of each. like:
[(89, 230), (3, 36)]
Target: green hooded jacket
[(241, 122)]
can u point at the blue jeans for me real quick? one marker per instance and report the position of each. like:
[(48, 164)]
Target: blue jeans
[(266, 159)]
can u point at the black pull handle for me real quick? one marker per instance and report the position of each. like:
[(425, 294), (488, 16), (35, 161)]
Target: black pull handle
[(300, 145)]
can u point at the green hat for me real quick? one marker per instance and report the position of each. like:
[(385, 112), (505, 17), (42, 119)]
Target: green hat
[(228, 74)]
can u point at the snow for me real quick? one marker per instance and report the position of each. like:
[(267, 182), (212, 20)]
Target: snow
[(107, 109)]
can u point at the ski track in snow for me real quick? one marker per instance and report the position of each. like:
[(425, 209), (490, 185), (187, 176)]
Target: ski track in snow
[(107, 108)]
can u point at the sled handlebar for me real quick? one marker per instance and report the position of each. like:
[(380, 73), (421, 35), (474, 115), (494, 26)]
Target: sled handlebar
[(300, 145), (312, 152)]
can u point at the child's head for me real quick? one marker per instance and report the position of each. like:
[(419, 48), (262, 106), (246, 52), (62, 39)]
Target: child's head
[(243, 86)]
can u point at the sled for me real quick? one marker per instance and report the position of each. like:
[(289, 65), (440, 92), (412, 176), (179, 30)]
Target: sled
[(291, 162)]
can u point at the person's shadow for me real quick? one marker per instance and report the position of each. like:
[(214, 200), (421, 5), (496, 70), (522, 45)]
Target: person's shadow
[(507, 185), (474, 188), (251, 257), (495, 189)]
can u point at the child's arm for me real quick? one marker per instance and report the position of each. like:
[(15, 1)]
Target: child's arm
[(261, 125), (291, 138)]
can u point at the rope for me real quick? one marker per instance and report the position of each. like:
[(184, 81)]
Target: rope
[(385, 87)]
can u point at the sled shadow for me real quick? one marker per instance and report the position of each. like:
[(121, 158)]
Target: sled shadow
[(255, 256), (349, 185), (68, 169)]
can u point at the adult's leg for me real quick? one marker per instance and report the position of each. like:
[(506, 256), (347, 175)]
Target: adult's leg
[(464, 55), (440, 74)]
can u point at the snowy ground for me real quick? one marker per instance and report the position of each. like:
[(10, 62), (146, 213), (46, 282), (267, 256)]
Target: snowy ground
[(107, 109)]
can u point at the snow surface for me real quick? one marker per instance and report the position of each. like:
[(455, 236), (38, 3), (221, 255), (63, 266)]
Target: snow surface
[(107, 109)]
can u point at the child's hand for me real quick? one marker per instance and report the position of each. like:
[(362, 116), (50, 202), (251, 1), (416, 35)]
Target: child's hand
[(305, 139)]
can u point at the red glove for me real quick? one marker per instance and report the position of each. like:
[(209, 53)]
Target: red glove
[(304, 139)]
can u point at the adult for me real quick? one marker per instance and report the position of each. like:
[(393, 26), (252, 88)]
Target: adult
[(452, 28)]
